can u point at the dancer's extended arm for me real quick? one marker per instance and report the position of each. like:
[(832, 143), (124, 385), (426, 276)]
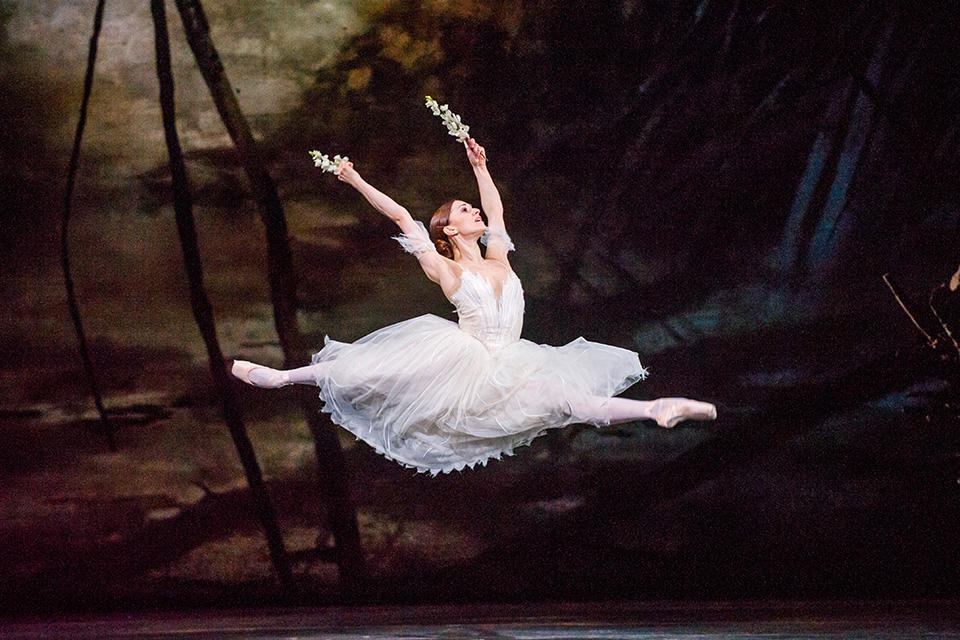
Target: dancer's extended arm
[(489, 201), (380, 201), (433, 264)]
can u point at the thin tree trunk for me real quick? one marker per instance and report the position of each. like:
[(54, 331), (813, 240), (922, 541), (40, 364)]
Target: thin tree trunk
[(203, 311), (282, 280), (64, 232), (728, 31), (785, 256), (833, 227)]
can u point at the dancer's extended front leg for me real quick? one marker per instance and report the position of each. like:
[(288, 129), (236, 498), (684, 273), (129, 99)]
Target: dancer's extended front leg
[(267, 378), (666, 411)]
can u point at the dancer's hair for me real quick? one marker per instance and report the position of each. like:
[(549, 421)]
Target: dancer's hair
[(440, 219)]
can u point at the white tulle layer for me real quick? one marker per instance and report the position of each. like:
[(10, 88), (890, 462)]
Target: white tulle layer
[(426, 394)]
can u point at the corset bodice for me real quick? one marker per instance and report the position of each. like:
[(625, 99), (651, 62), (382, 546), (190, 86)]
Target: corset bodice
[(495, 323)]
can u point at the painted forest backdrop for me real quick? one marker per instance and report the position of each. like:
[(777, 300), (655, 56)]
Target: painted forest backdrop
[(758, 197)]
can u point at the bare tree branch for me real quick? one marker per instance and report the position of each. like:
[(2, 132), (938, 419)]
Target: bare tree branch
[(930, 340)]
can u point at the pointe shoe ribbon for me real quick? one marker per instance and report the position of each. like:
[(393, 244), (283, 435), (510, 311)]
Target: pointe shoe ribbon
[(678, 409)]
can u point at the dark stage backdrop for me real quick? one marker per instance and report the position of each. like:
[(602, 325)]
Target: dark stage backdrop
[(719, 185)]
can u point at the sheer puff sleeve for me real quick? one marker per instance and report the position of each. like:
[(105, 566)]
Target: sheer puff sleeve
[(497, 235), (416, 243)]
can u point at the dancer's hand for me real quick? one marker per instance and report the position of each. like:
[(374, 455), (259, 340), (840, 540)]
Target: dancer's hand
[(476, 154), (347, 173)]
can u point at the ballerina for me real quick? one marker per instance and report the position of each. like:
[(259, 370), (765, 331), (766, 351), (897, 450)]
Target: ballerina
[(438, 395)]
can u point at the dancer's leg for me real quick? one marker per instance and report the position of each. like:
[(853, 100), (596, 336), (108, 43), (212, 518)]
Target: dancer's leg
[(267, 378), (307, 374), (666, 411)]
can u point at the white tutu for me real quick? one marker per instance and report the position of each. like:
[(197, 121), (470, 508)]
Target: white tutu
[(437, 395)]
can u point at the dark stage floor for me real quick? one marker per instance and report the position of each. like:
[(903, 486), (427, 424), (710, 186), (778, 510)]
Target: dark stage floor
[(593, 621)]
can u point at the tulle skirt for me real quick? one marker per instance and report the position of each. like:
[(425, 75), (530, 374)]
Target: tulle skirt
[(430, 396)]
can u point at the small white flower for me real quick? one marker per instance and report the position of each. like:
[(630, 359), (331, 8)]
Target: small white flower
[(433, 106), (453, 122), (323, 161)]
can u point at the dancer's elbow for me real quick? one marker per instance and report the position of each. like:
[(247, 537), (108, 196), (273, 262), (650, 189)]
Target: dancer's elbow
[(398, 215)]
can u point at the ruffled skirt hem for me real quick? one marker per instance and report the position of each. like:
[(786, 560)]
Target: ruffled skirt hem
[(357, 425)]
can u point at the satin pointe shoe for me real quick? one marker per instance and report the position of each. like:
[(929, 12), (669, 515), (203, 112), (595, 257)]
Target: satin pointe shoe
[(269, 379), (670, 411)]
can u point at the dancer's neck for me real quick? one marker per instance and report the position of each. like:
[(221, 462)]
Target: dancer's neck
[(467, 253)]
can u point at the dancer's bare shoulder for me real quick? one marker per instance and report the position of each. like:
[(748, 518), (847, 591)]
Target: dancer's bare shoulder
[(437, 268), (447, 274)]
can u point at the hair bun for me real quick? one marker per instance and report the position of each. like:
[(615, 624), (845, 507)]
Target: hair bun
[(440, 219), (444, 248)]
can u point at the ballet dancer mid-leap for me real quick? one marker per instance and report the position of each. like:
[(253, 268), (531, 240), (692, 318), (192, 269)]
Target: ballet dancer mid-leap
[(439, 395)]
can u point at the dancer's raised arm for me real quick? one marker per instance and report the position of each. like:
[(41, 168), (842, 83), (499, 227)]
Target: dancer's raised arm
[(489, 196), (498, 243)]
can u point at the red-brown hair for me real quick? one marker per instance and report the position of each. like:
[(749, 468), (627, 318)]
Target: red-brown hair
[(440, 219)]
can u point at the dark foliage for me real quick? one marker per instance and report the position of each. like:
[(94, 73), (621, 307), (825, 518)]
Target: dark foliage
[(672, 132)]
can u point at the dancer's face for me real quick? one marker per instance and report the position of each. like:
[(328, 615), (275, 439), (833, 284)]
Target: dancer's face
[(466, 218)]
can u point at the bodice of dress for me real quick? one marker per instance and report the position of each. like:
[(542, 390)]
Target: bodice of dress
[(496, 322)]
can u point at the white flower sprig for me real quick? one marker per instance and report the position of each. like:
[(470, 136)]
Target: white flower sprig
[(455, 126), (325, 163)]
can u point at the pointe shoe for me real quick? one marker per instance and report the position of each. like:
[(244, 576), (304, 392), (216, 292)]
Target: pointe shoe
[(242, 369), (673, 410)]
